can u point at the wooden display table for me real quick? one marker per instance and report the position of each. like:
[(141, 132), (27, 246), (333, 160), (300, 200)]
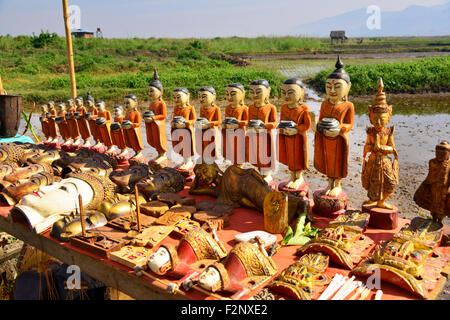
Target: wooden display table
[(123, 278)]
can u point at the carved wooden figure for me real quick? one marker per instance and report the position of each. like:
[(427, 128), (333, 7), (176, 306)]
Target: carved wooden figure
[(292, 138), (62, 123), (263, 119), (380, 173), (72, 122), (433, 194), (234, 124), (51, 121), (155, 119), (331, 145), (83, 124), (103, 124), (183, 119), (207, 125), (132, 128)]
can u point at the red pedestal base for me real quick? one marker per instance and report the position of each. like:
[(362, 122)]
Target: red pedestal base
[(53, 145), (273, 184), (70, 147), (327, 206), (100, 149), (381, 218), (122, 162), (134, 161), (163, 164), (188, 174), (302, 192)]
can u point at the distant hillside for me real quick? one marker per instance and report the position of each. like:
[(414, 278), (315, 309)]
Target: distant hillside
[(413, 21)]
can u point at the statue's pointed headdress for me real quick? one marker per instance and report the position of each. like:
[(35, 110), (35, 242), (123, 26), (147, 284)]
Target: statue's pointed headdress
[(339, 73), (155, 82), (380, 104)]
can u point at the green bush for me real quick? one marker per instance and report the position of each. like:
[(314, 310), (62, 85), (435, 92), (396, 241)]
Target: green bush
[(424, 75), (44, 39)]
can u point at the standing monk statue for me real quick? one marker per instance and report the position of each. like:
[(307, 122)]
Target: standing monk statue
[(331, 144), (434, 193), (91, 116), (131, 126), (207, 125), (83, 124), (263, 119), (44, 122), (62, 123), (117, 133), (155, 119), (103, 124), (72, 122), (183, 127), (51, 121), (292, 138), (234, 124)]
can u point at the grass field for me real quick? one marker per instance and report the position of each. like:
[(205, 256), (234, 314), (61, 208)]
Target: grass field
[(420, 76), (36, 66)]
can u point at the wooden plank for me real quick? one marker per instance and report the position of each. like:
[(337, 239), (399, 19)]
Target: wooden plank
[(110, 275)]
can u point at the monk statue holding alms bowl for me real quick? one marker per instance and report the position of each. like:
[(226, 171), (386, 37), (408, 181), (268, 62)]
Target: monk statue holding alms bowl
[(331, 143)]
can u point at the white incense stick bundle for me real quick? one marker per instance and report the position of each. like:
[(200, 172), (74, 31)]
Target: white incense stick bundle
[(348, 284), (337, 282), (364, 294), (353, 286), (378, 295), (359, 291)]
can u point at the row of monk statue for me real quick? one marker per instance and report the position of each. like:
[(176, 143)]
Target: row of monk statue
[(257, 122)]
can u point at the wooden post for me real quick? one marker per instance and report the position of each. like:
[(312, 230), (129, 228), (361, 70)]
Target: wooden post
[(138, 210), (83, 227), (73, 84)]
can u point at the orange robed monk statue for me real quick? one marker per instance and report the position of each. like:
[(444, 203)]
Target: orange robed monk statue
[(83, 124), (331, 145), (380, 173), (183, 127), (131, 126), (51, 122), (207, 125), (91, 116), (44, 122), (263, 119), (103, 124), (234, 124), (155, 119), (117, 133), (292, 138), (62, 123), (72, 122)]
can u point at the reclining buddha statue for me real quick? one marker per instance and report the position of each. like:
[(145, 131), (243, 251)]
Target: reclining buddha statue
[(41, 209), (239, 187), (410, 259)]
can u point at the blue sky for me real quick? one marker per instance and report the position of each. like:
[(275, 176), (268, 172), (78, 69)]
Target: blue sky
[(183, 18)]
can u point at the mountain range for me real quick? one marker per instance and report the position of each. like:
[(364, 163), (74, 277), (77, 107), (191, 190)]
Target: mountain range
[(412, 21)]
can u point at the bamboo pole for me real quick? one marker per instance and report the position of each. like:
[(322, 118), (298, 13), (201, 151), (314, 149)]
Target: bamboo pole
[(138, 209), (83, 227), (73, 84), (2, 91)]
